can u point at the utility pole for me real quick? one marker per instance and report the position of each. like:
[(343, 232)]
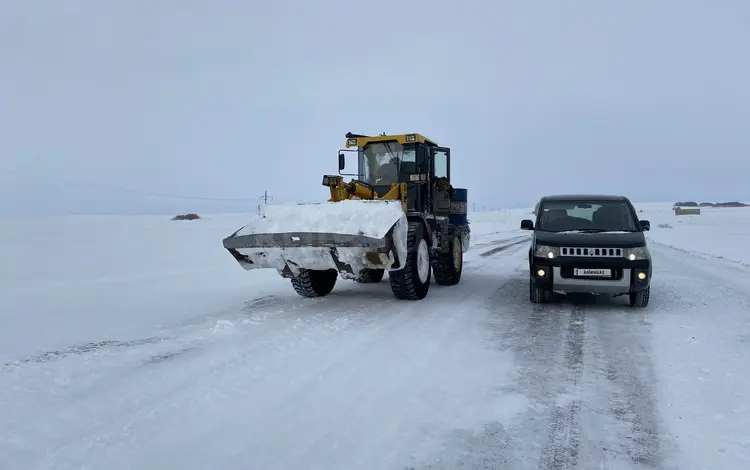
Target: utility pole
[(265, 197)]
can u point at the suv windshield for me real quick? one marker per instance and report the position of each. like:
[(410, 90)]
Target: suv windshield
[(589, 216)]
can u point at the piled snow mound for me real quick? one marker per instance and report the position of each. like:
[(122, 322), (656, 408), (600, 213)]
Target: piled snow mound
[(356, 217), (191, 216)]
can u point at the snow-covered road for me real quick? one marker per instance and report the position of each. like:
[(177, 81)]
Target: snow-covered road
[(473, 376)]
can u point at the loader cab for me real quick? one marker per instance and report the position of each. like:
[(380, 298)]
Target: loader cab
[(406, 158), (381, 164)]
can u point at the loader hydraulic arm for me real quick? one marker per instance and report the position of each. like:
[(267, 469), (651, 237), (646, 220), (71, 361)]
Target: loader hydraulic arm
[(356, 189)]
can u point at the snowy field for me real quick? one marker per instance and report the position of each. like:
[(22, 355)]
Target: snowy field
[(139, 343)]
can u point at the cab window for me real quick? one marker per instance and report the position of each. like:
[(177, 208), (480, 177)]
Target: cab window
[(441, 165)]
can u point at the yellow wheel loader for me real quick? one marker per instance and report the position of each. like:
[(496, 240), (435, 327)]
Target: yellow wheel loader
[(399, 214)]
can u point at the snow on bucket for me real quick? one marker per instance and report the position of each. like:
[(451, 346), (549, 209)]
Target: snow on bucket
[(347, 236)]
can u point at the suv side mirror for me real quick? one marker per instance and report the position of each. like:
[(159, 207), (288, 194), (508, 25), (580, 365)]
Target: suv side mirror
[(342, 161), (527, 224), (645, 225)]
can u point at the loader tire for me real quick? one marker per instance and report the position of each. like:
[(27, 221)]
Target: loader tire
[(315, 283), (447, 267), (370, 276), (413, 281)]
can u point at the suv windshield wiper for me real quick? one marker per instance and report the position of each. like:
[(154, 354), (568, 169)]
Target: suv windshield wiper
[(585, 230), (600, 230)]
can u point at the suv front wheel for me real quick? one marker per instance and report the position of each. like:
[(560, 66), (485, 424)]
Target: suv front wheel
[(640, 299), (537, 295)]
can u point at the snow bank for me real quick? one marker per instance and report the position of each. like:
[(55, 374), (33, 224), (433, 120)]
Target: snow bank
[(115, 278), (500, 221), (368, 218), (716, 232)]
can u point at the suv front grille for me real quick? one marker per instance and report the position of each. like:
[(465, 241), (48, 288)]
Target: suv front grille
[(589, 252)]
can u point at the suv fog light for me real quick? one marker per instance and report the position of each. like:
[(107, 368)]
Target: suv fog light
[(541, 273), (641, 276)]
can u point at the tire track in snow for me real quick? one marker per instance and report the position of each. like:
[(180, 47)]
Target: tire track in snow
[(80, 349), (486, 448), (625, 343), (510, 327), (287, 333), (503, 241), (295, 330), (272, 321), (614, 402), (227, 373), (617, 422), (475, 288), (611, 420), (204, 379), (109, 347), (567, 375), (299, 330), (487, 259), (563, 439), (504, 247), (536, 336), (588, 370)]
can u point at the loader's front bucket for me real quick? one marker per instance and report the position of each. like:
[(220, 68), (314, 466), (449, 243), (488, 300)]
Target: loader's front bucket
[(347, 236)]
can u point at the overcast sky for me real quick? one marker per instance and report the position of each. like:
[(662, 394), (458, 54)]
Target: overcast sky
[(107, 105)]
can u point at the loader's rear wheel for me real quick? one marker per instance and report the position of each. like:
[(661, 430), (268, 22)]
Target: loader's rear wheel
[(315, 283), (447, 267), (368, 276), (413, 281)]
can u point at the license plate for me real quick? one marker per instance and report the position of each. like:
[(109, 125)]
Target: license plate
[(593, 272)]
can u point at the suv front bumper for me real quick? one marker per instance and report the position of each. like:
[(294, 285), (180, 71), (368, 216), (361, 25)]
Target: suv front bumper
[(557, 275)]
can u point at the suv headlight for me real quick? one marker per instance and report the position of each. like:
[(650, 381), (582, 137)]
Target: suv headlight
[(548, 252), (639, 252)]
